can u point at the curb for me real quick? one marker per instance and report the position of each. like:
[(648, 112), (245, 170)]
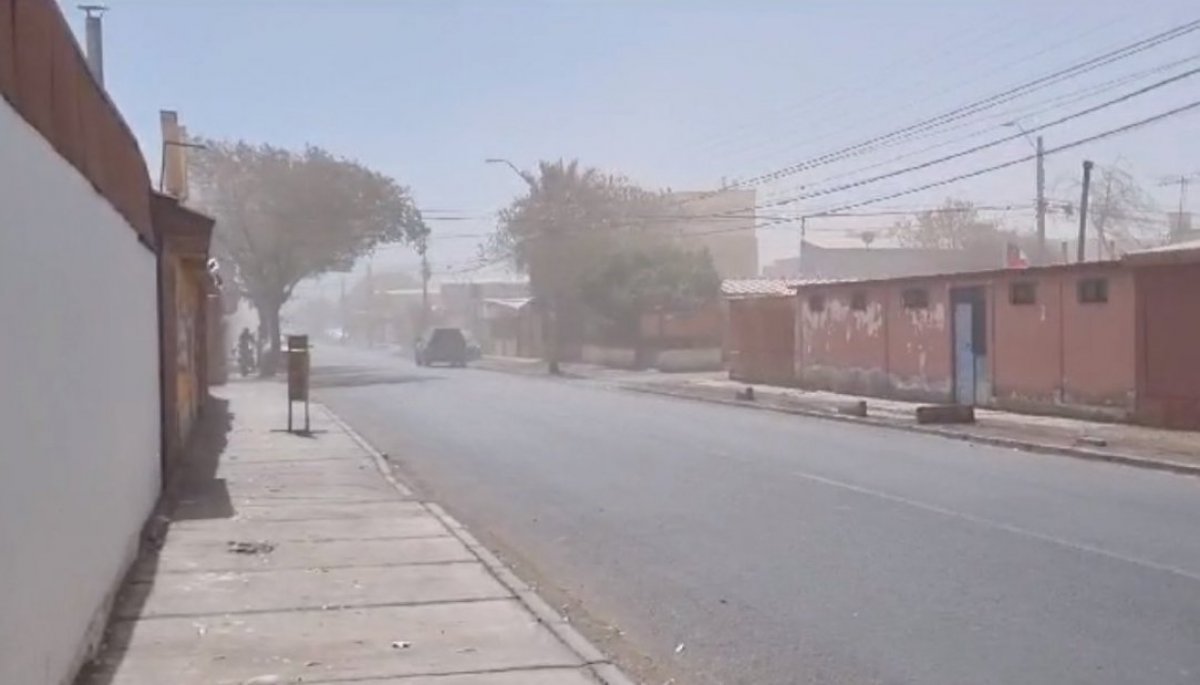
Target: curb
[(594, 661), (376, 455), (994, 441), (538, 371)]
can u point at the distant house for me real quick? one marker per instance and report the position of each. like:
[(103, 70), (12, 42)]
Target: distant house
[(721, 221), (463, 303), (513, 327), (839, 263), (1099, 339)]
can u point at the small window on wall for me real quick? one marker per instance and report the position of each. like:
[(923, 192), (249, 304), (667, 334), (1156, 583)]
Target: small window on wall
[(858, 301), (1093, 290), (1022, 292), (816, 303), (915, 298)]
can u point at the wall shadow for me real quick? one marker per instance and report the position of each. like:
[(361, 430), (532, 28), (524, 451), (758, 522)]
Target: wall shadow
[(193, 493), (198, 493)]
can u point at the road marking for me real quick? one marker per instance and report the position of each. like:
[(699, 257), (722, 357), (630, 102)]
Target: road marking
[(1015, 530)]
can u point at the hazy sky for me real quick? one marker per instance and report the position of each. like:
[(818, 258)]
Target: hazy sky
[(672, 93)]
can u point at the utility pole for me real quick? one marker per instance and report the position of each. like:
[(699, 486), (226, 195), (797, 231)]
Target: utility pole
[(426, 272), (342, 313), (1083, 209), (1182, 181), (95, 40), (370, 282), (800, 253), (1040, 208), (1041, 201)]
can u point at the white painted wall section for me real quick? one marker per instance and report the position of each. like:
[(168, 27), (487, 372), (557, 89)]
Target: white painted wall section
[(79, 404)]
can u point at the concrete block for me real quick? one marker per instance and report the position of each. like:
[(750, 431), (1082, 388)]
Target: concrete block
[(945, 413), (858, 408)]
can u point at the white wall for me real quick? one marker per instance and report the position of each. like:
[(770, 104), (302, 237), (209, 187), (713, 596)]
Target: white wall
[(697, 359), (615, 357), (79, 416)]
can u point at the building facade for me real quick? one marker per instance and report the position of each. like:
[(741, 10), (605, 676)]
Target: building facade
[(1106, 340), (86, 413)]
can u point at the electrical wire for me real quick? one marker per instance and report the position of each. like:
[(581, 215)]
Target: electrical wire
[(988, 102), (1010, 116), (978, 148), (1055, 45), (966, 43), (1004, 165)]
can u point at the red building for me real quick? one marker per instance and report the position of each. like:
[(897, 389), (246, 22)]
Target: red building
[(1104, 339)]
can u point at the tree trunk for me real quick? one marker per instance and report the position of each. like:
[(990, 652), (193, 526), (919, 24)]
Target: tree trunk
[(269, 313), (554, 348)]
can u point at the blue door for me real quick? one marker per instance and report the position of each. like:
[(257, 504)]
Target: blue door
[(964, 352)]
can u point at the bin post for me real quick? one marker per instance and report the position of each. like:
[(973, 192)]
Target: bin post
[(298, 365)]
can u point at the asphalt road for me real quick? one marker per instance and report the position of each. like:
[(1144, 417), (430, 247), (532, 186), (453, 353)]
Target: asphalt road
[(784, 549)]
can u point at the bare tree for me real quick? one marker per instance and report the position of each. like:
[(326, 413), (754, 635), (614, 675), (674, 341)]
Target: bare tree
[(283, 216), (955, 225), (1121, 213)]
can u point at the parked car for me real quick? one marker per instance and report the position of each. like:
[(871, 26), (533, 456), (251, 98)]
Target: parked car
[(443, 346)]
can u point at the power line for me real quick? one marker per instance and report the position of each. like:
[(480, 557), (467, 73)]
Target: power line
[(962, 153), (1009, 115), (838, 210), (984, 146), (962, 112), (969, 43), (1053, 45), (988, 102), (1049, 151)]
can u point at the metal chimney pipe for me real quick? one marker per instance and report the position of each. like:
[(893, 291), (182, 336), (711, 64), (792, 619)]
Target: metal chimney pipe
[(95, 40)]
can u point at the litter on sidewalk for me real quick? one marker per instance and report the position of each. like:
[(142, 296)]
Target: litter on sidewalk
[(293, 559)]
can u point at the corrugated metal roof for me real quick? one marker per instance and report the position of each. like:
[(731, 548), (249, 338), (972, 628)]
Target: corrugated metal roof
[(1186, 252), (509, 302), (1185, 246), (762, 287)]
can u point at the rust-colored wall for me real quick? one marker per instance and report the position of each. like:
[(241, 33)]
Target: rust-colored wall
[(1059, 351), (843, 349), (885, 350), (699, 326), (1098, 342), (45, 77), (1025, 355), (1169, 346), (1056, 355), (761, 332), (918, 351), (8, 69)]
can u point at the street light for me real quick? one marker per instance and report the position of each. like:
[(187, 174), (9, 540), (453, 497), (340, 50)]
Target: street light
[(1041, 187), (1017, 125), (514, 167), (549, 244)]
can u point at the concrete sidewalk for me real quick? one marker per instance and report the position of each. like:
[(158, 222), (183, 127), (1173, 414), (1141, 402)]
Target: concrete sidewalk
[(1177, 451), (292, 559)]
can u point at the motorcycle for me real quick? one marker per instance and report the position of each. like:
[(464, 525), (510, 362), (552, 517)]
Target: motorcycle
[(245, 360)]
